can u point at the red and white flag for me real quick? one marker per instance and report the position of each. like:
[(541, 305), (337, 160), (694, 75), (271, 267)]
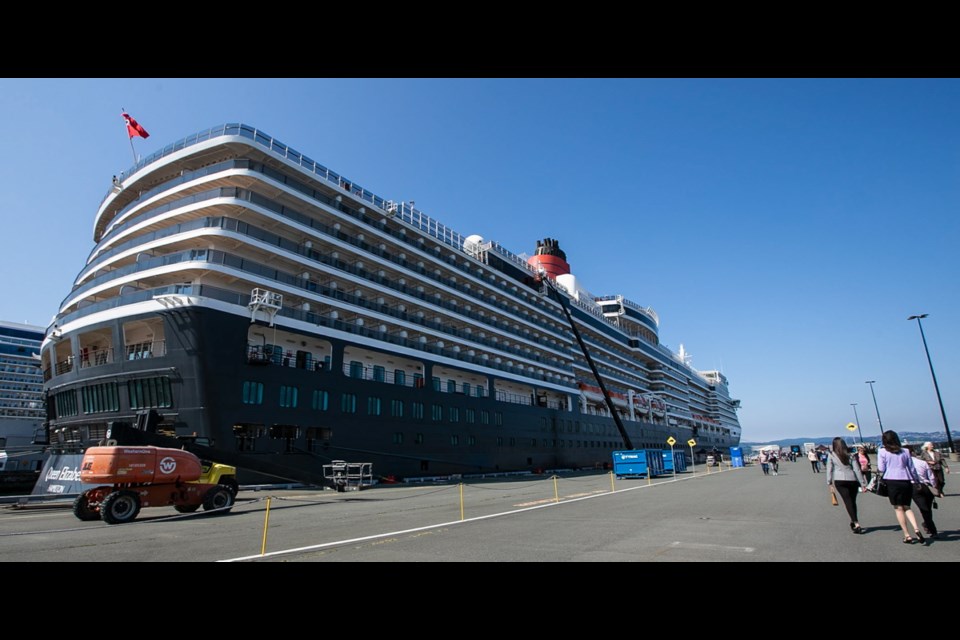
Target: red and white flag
[(134, 128)]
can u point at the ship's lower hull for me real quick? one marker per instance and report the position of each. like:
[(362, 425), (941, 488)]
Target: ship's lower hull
[(333, 416)]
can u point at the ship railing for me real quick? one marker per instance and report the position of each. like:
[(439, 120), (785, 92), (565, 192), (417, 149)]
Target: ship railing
[(513, 398), (64, 366), (233, 297), (303, 219), (47, 373), (234, 261), (375, 374), (153, 349), (269, 355), (313, 254), (95, 357)]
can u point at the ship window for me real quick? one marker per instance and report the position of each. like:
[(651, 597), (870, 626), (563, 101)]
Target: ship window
[(498, 418), (399, 377), (466, 388), (378, 373), (513, 442), (66, 404), (454, 414), (396, 408), (543, 423), (533, 444), (373, 406), (418, 380), (480, 392), (451, 386), (152, 393), (436, 384), (288, 396), (472, 440), (418, 439), (398, 438), (454, 440), (416, 410), (348, 403), (499, 441), (470, 416), (100, 398), (484, 416), (320, 400), (436, 412), (356, 369)]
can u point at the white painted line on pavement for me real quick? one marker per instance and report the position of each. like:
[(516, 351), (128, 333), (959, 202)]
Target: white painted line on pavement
[(337, 543)]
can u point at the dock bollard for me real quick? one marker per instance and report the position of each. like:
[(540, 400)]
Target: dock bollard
[(556, 492), (266, 523)]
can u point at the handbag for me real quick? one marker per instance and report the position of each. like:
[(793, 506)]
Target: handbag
[(882, 488), (833, 497)]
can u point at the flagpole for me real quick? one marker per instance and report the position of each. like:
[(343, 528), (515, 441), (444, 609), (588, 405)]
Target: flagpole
[(129, 137)]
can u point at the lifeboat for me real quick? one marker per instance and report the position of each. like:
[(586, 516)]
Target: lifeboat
[(658, 406), (594, 394), (641, 404)]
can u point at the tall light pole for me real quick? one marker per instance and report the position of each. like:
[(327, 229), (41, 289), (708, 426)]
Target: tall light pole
[(936, 387), (854, 405), (871, 382)]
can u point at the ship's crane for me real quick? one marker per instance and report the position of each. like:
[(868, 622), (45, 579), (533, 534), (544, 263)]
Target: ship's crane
[(551, 288)]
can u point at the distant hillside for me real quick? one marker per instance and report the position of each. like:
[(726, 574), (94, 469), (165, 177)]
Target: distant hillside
[(905, 436)]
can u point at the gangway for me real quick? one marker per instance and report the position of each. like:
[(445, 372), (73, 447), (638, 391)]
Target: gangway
[(348, 476)]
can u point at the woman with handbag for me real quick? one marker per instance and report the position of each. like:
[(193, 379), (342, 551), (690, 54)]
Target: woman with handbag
[(844, 477), (897, 471)]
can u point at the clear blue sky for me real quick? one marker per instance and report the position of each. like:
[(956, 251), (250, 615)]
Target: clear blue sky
[(782, 229)]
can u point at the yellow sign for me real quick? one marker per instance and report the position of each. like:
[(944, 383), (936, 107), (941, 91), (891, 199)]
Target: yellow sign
[(851, 427), (671, 441), (692, 442)]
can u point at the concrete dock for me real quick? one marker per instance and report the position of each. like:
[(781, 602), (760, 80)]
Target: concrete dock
[(734, 515)]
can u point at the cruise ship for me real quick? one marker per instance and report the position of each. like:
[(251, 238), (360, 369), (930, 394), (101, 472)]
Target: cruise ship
[(22, 413), (246, 302)]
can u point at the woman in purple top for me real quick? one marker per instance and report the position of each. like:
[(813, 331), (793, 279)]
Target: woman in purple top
[(897, 470)]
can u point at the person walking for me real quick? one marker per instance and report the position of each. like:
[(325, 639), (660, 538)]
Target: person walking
[(774, 462), (924, 493), (814, 462), (937, 464), (844, 477), (864, 460), (897, 470), (764, 463)]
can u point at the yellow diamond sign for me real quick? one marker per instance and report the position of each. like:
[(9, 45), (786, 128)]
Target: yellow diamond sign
[(851, 427), (691, 442), (671, 441)]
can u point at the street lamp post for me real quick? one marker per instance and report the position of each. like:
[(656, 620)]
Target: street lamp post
[(854, 405), (936, 387), (871, 382)]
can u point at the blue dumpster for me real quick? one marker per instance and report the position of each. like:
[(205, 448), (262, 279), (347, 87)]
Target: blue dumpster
[(667, 461), (631, 464), (679, 461), (656, 462)]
